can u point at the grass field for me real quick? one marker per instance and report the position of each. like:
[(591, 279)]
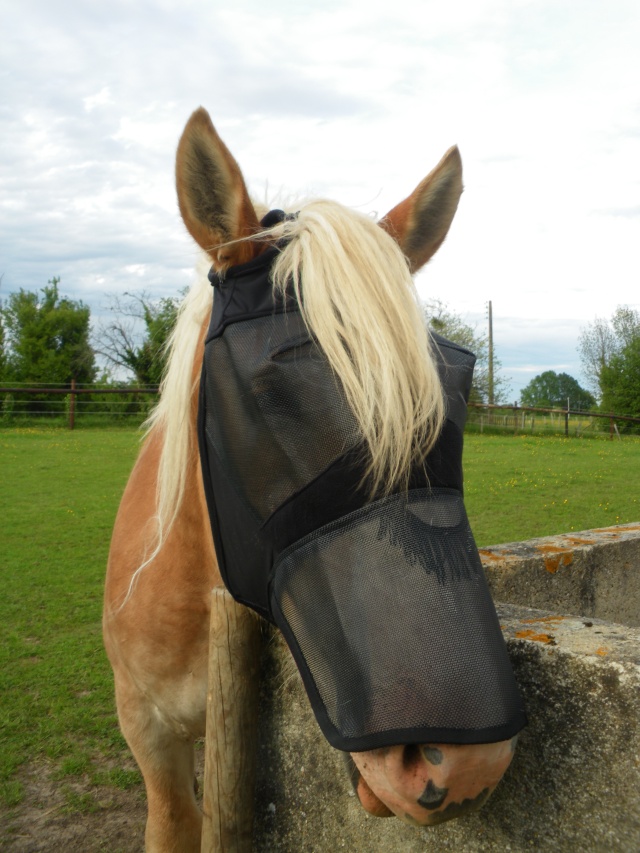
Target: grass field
[(60, 492), (517, 487)]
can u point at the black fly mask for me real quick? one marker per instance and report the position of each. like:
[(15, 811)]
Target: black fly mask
[(383, 603)]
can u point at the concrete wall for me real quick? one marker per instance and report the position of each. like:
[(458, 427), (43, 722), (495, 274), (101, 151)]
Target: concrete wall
[(592, 573), (574, 784)]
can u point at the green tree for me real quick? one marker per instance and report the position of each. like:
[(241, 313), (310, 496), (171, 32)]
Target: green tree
[(142, 353), (551, 390), (2, 355), (601, 340), (451, 325), (620, 380), (2, 345), (46, 338)]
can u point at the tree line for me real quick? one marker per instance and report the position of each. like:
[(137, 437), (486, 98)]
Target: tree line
[(46, 337), (610, 353), (609, 350)]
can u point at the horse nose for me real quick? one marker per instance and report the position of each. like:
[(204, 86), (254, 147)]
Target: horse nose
[(429, 783)]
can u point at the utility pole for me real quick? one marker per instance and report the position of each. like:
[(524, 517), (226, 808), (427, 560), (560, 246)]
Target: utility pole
[(491, 394)]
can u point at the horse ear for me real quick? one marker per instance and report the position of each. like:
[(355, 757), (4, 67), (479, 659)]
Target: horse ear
[(420, 223), (213, 199)]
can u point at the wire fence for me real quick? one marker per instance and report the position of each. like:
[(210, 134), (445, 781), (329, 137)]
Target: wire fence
[(102, 404), (89, 405), (542, 421)]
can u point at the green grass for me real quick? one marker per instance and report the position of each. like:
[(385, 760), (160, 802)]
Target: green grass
[(60, 491), (518, 487)]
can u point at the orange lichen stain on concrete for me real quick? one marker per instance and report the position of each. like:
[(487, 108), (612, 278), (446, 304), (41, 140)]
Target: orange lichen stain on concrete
[(528, 634), (550, 620), (602, 651), (489, 555), (577, 540), (555, 557)]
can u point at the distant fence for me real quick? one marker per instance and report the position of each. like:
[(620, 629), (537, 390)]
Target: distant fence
[(101, 403), (92, 403), (529, 419)]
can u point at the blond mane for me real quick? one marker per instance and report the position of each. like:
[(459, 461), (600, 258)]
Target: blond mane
[(171, 416), (359, 302)]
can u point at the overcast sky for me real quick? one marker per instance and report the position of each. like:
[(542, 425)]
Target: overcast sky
[(352, 100)]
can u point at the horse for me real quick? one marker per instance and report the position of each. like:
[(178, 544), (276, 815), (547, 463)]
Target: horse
[(162, 564)]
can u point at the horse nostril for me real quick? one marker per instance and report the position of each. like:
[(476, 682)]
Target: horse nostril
[(410, 755)]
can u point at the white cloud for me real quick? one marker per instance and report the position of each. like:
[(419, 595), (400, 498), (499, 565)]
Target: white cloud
[(353, 102), (98, 100)]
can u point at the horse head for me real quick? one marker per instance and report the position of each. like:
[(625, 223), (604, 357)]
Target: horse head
[(327, 416)]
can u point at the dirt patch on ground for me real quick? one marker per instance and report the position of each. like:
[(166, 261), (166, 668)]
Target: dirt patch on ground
[(76, 816), (72, 815)]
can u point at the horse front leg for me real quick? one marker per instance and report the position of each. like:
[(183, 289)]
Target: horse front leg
[(166, 759)]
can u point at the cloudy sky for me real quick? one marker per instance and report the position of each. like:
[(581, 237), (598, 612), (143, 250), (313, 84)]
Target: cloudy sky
[(353, 100)]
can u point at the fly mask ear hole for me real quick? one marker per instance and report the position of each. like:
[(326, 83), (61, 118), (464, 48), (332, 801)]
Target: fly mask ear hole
[(420, 223), (212, 195)]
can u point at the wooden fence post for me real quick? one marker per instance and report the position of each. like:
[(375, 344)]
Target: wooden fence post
[(72, 405), (231, 733)]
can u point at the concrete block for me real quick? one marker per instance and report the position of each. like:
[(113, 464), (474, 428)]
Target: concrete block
[(591, 573), (574, 784)]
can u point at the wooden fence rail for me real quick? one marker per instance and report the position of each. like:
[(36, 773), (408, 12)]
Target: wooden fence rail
[(72, 392), (565, 414), (492, 412)]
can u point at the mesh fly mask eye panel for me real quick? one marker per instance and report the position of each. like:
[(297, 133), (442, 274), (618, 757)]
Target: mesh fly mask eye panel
[(383, 603)]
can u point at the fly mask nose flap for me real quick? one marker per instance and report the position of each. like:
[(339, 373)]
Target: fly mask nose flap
[(383, 602)]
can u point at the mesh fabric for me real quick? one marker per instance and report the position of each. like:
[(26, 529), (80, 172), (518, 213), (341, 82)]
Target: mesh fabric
[(279, 417), (384, 604), (392, 625)]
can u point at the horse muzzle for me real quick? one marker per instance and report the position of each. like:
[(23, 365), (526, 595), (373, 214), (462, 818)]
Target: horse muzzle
[(430, 784)]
